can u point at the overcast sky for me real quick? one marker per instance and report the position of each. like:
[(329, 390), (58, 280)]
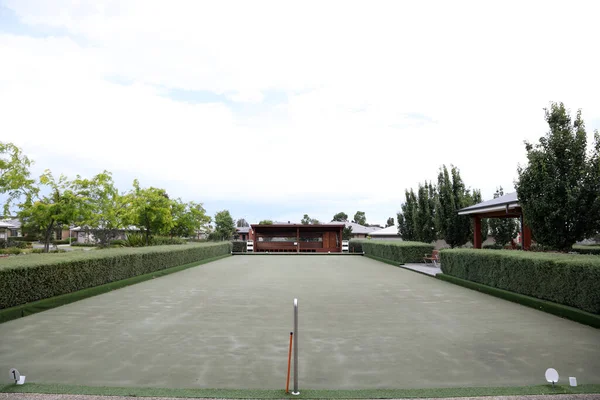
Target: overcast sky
[(276, 109)]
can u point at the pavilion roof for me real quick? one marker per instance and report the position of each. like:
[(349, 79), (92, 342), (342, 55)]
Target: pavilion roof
[(507, 202)]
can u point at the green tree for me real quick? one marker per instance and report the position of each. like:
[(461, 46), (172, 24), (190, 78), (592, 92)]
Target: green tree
[(424, 215), (452, 196), (188, 218), (266, 222), (485, 228), (15, 178), (407, 217), (559, 189), (224, 225), (503, 229), (306, 220), (242, 223), (347, 233), (64, 203), (106, 212), (390, 222), (360, 218), (150, 210), (340, 217)]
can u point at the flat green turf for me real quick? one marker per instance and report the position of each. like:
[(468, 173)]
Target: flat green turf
[(363, 325)]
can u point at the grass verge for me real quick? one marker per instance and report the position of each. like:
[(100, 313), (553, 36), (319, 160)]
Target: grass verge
[(560, 310), (23, 310), (304, 393)]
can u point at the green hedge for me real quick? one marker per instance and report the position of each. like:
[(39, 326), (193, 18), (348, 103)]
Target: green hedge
[(355, 246), (39, 276), (595, 250), (568, 279), (395, 250), (163, 240), (239, 246)]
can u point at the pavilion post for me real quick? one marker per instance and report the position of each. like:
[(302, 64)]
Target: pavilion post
[(477, 233), (298, 240)]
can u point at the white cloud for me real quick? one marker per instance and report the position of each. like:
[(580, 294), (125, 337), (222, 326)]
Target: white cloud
[(379, 94)]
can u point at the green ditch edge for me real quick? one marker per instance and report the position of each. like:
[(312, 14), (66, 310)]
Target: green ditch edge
[(560, 310), (304, 393), (34, 307)]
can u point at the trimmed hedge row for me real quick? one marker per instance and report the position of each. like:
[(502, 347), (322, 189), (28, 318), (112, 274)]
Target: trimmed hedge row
[(40, 276), (395, 250), (568, 279), (239, 246), (587, 249), (355, 245)]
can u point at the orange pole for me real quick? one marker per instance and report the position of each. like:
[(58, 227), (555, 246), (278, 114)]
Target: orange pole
[(287, 383)]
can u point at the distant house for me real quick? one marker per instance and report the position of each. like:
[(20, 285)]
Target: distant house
[(244, 233), (10, 228), (359, 231), (389, 233), (86, 234)]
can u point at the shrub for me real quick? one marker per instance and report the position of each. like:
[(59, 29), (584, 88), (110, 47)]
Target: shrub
[(135, 239), (355, 246), (11, 242), (83, 244), (164, 240), (118, 243), (397, 251), (38, 276), (10, 250), (239, 246), (19, 238), (587, 249), (62, 241), (568, 279)]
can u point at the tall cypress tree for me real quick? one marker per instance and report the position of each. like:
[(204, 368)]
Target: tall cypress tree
[(406, 218), (452, 196), (424, 220)]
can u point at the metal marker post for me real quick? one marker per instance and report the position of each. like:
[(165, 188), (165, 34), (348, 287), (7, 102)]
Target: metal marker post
[(296, 391)]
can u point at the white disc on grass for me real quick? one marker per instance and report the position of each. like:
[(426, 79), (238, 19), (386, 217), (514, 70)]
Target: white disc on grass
[(551, 375)]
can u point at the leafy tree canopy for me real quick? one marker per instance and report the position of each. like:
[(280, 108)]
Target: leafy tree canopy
[(360, 218), (340, 217), (224, 225), (15, 178), (559, 189)]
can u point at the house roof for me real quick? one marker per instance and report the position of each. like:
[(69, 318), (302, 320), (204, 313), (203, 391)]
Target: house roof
[(358, 228), (10, 223), (506, 202), (389, 231), (83, 228), (291, 225)]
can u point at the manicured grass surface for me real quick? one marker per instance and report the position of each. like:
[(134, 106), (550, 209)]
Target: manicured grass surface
[(560, 310), (363, 325), (57, 301), (304, 393)]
